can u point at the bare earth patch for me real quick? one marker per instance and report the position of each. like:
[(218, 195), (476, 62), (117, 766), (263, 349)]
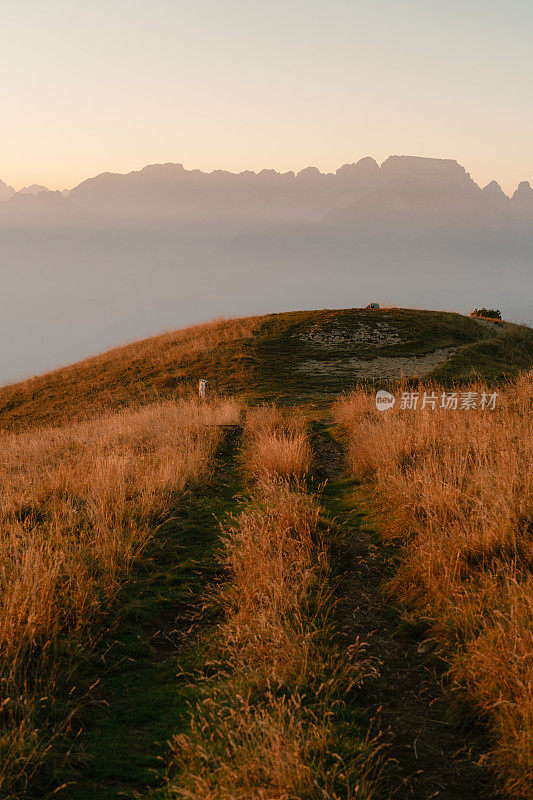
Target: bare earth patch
[(335, 335), (380, 367)]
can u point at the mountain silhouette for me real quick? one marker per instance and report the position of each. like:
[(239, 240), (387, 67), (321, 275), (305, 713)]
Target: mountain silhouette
[(493, 191), (34, 189), (5, 191), (169, 190), (523, 197), (403, 190)]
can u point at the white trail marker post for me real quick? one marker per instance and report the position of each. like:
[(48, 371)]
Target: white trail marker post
[(202, 387)]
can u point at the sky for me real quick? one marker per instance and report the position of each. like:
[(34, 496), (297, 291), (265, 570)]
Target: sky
[(113, 85)]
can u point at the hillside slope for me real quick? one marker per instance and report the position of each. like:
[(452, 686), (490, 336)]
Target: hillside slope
[(294, 356)]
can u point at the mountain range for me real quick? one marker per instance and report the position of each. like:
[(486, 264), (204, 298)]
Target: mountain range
[(119, 257), (402, 189)]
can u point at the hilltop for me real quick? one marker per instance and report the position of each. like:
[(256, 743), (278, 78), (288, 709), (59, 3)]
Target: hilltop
[(290, 357)]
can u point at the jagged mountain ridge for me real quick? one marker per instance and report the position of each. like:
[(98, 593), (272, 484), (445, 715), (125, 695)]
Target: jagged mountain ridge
[(402, 184)]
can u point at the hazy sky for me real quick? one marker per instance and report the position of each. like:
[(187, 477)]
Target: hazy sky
[(91, 86)]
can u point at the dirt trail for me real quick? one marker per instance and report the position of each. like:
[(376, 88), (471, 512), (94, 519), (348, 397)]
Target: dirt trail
[(428, 754), (147, 669)]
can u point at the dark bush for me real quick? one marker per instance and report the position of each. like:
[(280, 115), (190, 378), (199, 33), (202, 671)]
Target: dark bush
[(490, 313)]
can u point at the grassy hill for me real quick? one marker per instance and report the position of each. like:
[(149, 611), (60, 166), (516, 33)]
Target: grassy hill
[(294, 356), (162, 568)]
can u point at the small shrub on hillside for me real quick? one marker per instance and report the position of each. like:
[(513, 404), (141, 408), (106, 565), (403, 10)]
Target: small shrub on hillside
[(487, 313)]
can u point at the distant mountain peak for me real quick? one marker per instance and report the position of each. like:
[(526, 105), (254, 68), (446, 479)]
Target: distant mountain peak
[(364, 169), (5, 191), (34, 189), (524, 192), (420, 167), (310, 174), (170, 166), (493, 190), (46, 201), (442, 177)]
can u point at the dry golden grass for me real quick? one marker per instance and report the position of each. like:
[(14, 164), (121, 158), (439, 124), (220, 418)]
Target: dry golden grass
[(276, 560), (282, 748), (456, 486), (273, 551), (78, 505), (162, 367), (256, 357), (267, 732), (276, 444)]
